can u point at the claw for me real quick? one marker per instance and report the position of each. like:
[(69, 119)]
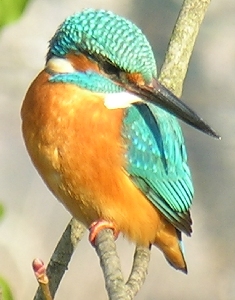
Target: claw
[(99, 225)]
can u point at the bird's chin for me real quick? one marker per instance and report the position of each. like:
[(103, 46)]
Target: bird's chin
[(120, 100)]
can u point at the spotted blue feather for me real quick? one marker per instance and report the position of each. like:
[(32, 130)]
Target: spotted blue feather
[(157, 162)]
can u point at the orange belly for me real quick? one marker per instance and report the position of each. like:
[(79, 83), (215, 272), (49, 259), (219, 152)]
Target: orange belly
[(75, 143)]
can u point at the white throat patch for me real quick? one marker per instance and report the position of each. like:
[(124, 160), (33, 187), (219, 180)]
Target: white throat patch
[(120, 100)]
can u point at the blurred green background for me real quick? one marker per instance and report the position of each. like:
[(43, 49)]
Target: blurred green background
[(34, 220)]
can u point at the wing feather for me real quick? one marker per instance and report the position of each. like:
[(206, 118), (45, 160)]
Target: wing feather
[(157, 162)]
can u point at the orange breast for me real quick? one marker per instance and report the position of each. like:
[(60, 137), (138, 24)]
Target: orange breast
[(75, 143)]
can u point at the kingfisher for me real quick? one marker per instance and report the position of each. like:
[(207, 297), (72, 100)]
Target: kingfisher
[(103, 134)]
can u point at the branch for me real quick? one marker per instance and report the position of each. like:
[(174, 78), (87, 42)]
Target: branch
[(181, 44), (110, 264), (139, 270), (61, 257)]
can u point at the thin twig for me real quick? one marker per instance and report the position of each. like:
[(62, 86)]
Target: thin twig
[(42, 278), (139, 270), (61, 257)]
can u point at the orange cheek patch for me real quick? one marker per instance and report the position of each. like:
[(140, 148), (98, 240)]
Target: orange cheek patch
[(82, 63), (136, 78)]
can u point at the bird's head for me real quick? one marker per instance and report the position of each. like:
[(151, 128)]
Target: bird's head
[(105, 53), (111, 41)]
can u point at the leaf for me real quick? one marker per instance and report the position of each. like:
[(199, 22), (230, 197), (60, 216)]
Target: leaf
[(10, 10), (2, 210), (5, 291)]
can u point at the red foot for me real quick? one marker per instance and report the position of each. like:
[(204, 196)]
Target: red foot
[(99, 225)]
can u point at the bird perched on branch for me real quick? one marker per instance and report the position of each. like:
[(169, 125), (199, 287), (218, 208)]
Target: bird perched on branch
[(102, 133)]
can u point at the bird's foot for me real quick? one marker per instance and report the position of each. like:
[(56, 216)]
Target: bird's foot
[(99, 225)]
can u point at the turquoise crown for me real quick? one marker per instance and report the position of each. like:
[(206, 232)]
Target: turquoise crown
[(102, 33)]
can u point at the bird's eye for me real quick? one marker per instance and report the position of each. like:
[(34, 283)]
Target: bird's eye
[(106, 66), (109, 68)]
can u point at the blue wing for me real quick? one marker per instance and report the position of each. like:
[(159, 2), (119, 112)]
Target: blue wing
[(157, 162)]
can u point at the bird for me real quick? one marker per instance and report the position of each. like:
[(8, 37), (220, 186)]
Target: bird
[(104, 135)]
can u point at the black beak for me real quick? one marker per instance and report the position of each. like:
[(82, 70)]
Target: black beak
[(162, 97)]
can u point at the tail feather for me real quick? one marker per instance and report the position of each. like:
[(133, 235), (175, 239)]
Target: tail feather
[(169, 241), (182, 266)]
